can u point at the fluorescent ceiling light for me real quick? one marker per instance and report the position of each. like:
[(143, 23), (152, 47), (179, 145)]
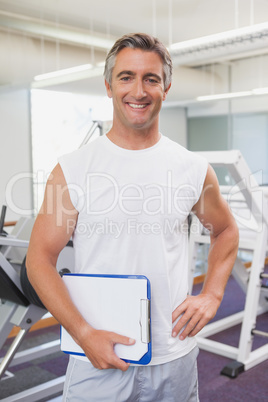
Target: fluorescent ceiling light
[(65, 71), (232, 95), (227, 95), (260, 91), (221, 45), (67, 76), (245, 33)]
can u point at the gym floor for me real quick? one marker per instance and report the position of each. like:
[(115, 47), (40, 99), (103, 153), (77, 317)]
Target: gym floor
[(248, 386)]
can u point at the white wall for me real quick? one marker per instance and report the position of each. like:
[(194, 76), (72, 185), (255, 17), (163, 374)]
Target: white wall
[(240, 75), (173, 124), (15, 160)]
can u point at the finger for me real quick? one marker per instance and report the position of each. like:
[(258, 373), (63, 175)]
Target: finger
[(182, 322), (124, 340), (120, 364), (195, 323), (110, 361), (197, 329), (114, 363), (180, 310), (199, 326), (176, 313), (103, 355), (200, 320), (188, 330)]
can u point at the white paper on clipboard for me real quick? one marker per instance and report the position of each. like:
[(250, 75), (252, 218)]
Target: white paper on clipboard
[(117, 303)]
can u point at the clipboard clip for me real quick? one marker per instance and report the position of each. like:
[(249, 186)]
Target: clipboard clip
[(145, 320)]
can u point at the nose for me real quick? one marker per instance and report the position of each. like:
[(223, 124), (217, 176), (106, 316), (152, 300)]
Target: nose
[(138, 89)]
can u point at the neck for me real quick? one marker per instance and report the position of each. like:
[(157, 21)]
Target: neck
[(134, 139)]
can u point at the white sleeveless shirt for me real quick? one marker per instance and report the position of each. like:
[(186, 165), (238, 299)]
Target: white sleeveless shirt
[(133, 207)]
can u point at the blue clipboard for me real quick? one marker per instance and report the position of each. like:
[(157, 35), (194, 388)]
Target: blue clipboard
[(117, 303)]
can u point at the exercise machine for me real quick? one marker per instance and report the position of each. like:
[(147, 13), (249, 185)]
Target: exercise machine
[(248, 202), (96, 125), (19, 304), (17, 310), (21, 307)]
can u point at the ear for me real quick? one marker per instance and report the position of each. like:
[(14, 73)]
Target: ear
[(166, 92), (108, 89)]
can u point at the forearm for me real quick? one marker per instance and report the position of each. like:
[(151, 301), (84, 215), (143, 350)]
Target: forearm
[(221, 259), (213, 212), (98, 345), (54, 295), (196, 311)]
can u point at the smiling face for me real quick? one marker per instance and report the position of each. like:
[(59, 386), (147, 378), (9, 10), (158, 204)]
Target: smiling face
[(137, 89)]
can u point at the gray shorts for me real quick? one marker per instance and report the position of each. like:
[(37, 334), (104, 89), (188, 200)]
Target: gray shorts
[(175, 381)]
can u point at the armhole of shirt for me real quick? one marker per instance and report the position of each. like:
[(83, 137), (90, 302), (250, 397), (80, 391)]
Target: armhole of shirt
[(68, 180), (203, 166)]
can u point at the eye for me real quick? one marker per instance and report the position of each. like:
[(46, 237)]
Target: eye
[(125, 79), (152, 81)]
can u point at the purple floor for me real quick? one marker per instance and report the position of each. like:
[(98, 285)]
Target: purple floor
[(251, 385)]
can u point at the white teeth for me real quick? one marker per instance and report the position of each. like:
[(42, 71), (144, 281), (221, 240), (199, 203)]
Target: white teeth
[(135, 106)]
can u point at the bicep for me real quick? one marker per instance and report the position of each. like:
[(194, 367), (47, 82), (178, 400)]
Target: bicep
[(56, 220), (211, 209)]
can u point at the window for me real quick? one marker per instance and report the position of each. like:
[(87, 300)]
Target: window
[(250, 136), (60, 122)]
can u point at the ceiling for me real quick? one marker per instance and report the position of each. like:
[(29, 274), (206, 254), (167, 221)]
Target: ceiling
[(179, 19), (171, 21)]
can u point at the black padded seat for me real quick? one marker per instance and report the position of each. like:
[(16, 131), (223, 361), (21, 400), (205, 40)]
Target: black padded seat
[(27, 287), (9, 291)]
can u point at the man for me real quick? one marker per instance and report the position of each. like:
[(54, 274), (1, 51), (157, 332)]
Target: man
[(125, 198)]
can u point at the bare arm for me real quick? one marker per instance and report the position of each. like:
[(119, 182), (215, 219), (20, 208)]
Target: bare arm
[(214, 214), (53, 228)]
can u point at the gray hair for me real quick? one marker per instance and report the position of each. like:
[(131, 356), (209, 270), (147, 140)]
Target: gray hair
[(139, 41)]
